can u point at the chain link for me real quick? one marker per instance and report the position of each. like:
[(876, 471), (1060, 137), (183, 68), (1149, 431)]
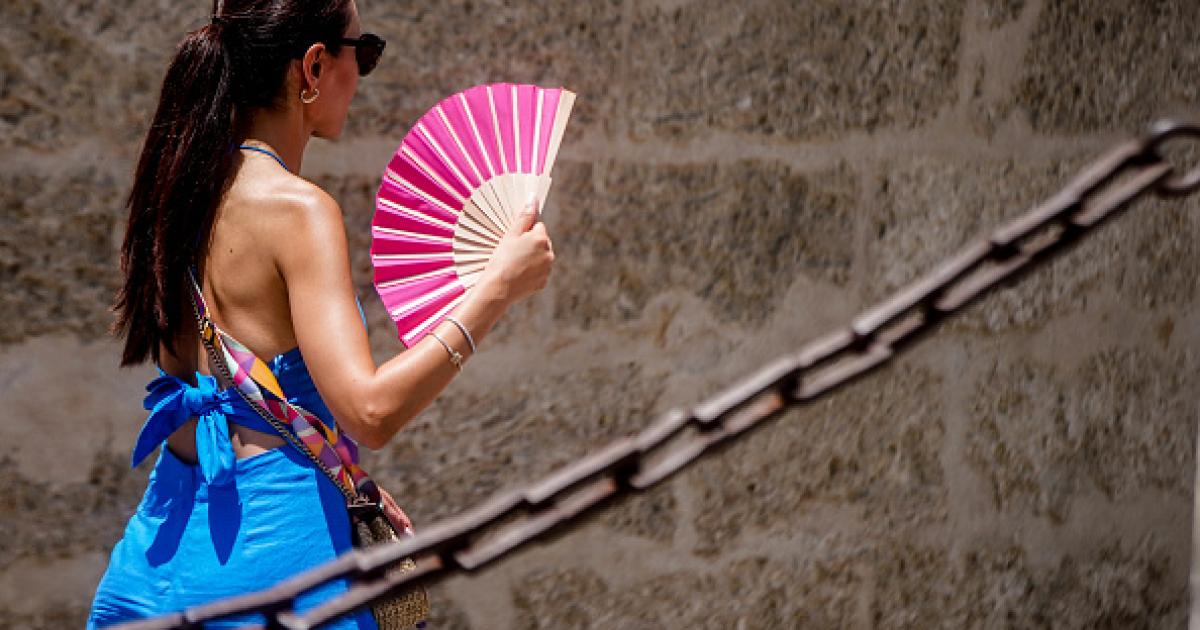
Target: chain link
[(507, 520)]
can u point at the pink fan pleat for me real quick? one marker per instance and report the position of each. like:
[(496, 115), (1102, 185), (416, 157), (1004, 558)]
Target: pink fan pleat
[(526, 106), (404, 167), (389, 243), (458, 116), (549, 109), (390, 269), (481, 115), (396, 193), (410, 325), (502, 95), (404, 292), (432, 160), (459, 166), (391, 219)]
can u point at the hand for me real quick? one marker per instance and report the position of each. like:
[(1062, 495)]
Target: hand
[(521, 262), (397, 516)]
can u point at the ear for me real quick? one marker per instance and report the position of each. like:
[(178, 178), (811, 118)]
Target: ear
[(310, 65)]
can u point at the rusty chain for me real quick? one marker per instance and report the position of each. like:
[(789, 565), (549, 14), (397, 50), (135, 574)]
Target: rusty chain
[(489, 531)]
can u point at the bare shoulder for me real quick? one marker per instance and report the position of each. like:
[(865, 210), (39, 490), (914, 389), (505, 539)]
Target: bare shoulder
[(303, 224), (302, 205), (291, 213)]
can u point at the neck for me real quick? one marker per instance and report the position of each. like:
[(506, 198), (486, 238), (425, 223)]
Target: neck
[(283, 133)]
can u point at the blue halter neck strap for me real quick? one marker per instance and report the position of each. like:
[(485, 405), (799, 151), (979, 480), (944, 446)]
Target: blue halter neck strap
[(264, 151)]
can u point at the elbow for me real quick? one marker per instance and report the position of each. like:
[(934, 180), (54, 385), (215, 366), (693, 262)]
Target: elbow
[(372, 428)]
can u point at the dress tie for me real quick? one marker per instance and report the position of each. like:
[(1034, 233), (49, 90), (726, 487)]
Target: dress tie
[(171, 402)]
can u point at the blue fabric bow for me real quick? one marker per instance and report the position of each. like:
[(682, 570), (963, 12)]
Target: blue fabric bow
[(171, 402)]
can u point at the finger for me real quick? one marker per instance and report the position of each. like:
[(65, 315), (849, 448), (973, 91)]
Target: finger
[(390, 508), (404, 519), (525, 219), (397, 515)]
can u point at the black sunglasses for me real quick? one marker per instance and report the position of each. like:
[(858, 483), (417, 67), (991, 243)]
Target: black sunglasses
[(368, 47)]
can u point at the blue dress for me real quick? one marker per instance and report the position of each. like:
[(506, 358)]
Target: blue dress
[(224, 526)]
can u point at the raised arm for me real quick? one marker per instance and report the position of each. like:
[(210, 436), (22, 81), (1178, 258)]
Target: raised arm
[(371, 402)]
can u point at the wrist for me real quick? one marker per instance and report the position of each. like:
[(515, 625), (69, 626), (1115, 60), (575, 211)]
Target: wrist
[(493, 288)]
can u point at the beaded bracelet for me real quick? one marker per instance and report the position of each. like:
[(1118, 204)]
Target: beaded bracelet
[(455, 356), (465, 332)]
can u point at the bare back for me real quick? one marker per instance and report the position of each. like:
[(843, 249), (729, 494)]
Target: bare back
[(243, 287)]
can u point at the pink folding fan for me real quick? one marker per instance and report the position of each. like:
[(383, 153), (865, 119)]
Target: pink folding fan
[(458, 180)]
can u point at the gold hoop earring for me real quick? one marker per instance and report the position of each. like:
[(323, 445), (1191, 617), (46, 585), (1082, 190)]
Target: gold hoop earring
[(315, 93)]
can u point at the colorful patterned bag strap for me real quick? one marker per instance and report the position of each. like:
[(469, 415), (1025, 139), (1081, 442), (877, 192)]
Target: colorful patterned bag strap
[(334, 451)]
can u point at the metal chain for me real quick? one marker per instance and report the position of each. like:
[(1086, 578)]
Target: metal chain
[(208, 332), (507, 520)]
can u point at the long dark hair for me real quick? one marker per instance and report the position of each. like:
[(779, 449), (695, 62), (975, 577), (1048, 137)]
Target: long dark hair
[(187, 162)]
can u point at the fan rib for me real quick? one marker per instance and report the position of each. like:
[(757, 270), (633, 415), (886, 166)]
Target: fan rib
[(470, 239), (565, 102), (488, 192), (471, 224)]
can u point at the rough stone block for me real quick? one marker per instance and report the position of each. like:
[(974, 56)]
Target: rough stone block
[(92, 69), (754, 592), (46, 619), (1000, 12), (41, 520), (793, 70), (887, 583), (930, 209), (735, 235), (1122, 423), (1099, 65), (444, 612), (650, 515), (872, 446), (59, 251), (1121, 585)]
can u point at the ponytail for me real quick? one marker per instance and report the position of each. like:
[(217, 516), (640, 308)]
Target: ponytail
[(188, 158), (184, 168)]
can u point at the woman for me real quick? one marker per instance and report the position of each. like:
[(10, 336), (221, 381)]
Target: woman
[(230, 506)]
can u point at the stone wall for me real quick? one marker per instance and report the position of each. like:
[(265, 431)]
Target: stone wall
[(738, 177)]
